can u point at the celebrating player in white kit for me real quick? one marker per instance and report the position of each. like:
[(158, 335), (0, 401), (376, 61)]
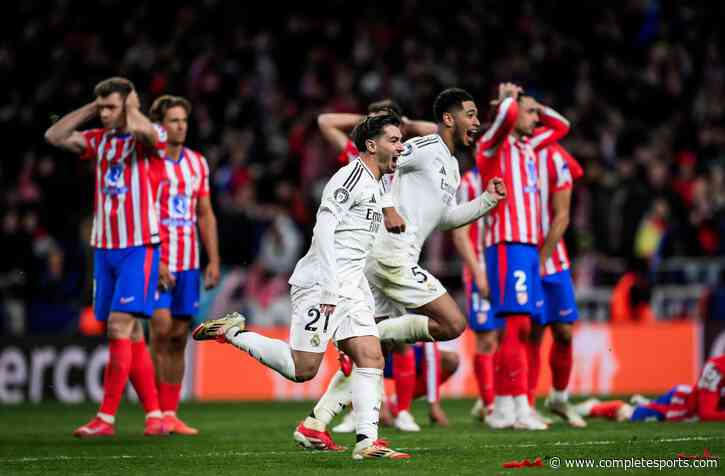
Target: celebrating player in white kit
[(330, 295), (424, 192)]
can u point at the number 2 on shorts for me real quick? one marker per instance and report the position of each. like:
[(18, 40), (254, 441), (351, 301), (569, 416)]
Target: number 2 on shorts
[(520, 278)]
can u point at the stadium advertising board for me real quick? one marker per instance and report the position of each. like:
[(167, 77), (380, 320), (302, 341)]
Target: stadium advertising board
[(69, 370), (608, 359)]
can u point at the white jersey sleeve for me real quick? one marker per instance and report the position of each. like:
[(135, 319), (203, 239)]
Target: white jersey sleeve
[(348, 219)]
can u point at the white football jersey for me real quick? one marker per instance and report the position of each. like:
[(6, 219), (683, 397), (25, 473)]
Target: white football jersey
[(353, 195), (423, 189)]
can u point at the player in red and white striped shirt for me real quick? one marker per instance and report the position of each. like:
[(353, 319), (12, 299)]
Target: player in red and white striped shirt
[(557, 171), (183, 200), (469, 243), (125, 237), (507, 149)]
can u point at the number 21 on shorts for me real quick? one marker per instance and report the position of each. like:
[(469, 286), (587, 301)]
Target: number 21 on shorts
[(315, 314)]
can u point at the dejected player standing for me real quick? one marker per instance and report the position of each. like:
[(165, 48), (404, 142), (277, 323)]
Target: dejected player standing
[(512, 234), (125, 237), (183, 199), (557, 172)]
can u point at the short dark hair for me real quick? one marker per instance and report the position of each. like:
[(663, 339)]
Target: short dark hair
[(385, 105), (116, 84), (371, 128), (448, 101), (166, 102)]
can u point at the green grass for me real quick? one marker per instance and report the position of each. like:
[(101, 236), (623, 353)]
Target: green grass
[(255, 438)]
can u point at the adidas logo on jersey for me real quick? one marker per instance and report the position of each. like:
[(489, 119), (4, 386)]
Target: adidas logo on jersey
[(442, 171), (372, 200)]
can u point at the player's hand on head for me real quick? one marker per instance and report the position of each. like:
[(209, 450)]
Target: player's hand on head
[(394, 223), (132, 100), (497, 188), (211, 275)]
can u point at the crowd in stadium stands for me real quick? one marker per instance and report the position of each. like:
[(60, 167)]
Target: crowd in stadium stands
[(642, 81)]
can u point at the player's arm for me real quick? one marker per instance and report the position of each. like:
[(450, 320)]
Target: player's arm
[(462, 242), (507, 109), (414, 128), (394, 223), (554, 128), (458, 215), (64, 133), (335, 126), (561, 204), (337, 200), (210, 239), (138, 124), (708, 396)]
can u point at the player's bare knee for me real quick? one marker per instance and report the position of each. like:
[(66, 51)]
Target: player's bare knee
[(452, 329), (371, 358), (177, 343), (450, 362), (562, 334), (119, 327), (304, 374)]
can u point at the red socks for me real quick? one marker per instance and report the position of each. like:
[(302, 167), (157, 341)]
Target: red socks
[(560, 361), (116, 374), (404, 377), (606, 409), (533, 352), (512, 371), (143, 377), (483, 368), (169, 394)]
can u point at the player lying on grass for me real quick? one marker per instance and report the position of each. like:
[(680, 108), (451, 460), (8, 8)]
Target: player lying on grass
[(704, 401)]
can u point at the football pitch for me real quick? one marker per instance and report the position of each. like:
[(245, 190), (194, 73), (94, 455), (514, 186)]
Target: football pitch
[(255, 438)]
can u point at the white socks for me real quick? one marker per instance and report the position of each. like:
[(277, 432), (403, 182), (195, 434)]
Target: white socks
[(559, 396), (273, 353), (406, 328), (523, 409), (366, 383), (335, 398)]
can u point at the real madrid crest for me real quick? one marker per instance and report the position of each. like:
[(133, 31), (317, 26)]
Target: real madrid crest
[(315, 340), (341, 195)]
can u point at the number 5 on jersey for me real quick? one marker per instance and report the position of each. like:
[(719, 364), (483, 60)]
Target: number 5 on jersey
[(419, 274)]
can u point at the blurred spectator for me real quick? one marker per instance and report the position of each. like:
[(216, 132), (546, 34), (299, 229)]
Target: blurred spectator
[(712, 305), (631, 296), (644, 88)]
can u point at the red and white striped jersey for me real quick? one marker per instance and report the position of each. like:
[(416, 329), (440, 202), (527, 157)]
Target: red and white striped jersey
[(499, 154), (348, 154), (180, 184), (556, 175), (124, 213), (470, 188)]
